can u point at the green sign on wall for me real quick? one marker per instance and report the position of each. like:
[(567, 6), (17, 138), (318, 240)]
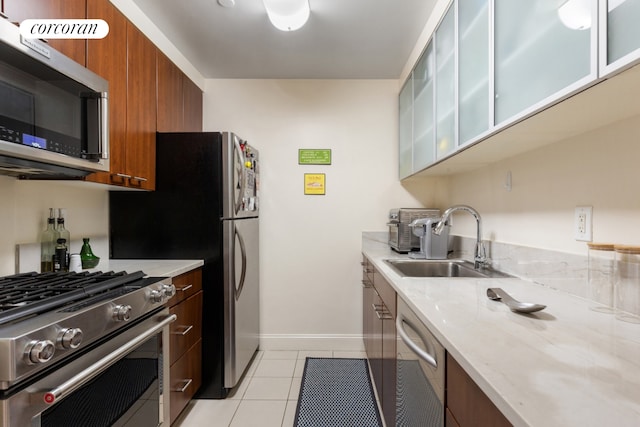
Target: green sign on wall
[(314, 156)]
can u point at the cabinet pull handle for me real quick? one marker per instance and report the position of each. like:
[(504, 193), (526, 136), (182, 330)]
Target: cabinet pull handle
[(139, 178), (185, 332), (384, 315), (366, 284), (119, 178), (186, 385), (186, 288)]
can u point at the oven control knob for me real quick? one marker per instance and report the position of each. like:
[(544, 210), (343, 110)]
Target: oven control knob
[(122, 312), (169, 290), (69, 338), (156, 296), (40, 351)]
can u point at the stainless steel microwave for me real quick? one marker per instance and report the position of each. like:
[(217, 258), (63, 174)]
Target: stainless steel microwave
[(53, 111)]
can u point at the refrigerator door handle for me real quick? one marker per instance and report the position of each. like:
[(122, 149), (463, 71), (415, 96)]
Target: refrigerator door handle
[(244, 265), (239, 170)]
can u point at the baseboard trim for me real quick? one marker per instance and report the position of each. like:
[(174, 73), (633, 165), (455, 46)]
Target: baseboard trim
[(311, 342)]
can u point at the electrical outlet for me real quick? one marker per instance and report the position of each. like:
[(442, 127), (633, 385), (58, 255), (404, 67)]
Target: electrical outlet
[(583, 228)]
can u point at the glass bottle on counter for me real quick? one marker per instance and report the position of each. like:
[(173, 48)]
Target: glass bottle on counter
[(88, 259), (601, 261), (61, 231), (627, 283), (48, 243), (61, 256)]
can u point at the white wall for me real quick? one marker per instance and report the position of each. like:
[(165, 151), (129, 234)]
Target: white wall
[(598, 169), (310, 245), (25, 207)]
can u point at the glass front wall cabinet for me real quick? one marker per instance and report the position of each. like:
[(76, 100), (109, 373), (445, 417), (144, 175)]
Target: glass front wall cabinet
[(620, 34), (474, 91), (423, 111), (446, 84), (405, 137), (543, 49)]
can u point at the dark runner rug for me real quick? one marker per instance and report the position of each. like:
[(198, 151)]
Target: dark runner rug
[(336, 392)]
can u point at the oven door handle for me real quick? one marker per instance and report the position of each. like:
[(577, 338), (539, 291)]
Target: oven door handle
[(78, 380), (430, 358)]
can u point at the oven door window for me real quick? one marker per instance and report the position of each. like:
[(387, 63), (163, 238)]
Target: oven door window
[(126, 394)]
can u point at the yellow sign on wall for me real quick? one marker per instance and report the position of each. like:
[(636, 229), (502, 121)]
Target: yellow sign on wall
[(314, 183)]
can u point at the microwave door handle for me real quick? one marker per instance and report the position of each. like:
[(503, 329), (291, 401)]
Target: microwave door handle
[(244, 266), (428, 356), (104, 137)]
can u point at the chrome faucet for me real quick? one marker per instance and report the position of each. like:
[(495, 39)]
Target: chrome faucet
[(480, 256)]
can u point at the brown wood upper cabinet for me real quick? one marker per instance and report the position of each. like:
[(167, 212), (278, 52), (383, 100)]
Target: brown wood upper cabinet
[(192, 106), (127, 59), (141, 110), (19, 10), (106, 57), (179, 99)]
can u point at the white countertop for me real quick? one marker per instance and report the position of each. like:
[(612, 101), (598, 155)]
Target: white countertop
[(564, 366), (151, 267)]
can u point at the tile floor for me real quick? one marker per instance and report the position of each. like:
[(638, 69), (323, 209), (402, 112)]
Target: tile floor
[(266, 396)]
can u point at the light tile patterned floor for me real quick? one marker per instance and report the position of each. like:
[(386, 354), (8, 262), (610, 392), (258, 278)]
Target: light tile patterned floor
[(266, 396)]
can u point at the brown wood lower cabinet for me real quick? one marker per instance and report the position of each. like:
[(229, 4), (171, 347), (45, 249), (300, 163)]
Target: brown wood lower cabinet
[(467, 405), (379, 331), (185, 343), (186, 375)]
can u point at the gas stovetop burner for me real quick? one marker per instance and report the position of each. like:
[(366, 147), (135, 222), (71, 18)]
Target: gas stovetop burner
[(29, 294)]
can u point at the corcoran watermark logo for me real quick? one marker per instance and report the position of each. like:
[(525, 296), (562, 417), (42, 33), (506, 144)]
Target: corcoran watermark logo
[(64, 28)]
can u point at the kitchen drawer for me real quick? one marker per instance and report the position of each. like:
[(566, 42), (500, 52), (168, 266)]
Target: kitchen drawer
[(367, 271), (187, 329), (186, 378), (386, 292), (186, 284)]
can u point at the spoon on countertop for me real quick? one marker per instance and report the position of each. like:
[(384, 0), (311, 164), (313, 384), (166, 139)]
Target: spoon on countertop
[(498, 294)]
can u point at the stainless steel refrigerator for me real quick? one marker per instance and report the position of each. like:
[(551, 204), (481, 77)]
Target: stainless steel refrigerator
[(205, 206)]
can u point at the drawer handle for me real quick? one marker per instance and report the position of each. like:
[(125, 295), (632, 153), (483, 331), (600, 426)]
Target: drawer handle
[(366, 284), (185, 332), (384, 315), (186, 385), (186, 288)]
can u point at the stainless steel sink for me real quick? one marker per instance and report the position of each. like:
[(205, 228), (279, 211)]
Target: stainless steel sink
[(440, 268)]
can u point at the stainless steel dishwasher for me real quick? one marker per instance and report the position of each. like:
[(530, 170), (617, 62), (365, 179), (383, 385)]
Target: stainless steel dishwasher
[(420, 373)]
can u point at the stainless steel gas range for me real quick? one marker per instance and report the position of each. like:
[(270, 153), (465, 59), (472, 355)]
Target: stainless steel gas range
[(84, 349)]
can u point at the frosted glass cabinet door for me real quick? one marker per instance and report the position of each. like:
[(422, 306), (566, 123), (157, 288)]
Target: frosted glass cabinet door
[(623, 29), (445, 85), (536, 54), (423, 115), (474, 97), (406, 129)]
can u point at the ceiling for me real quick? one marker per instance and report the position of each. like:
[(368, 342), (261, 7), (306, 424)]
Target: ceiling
[(343, 39)]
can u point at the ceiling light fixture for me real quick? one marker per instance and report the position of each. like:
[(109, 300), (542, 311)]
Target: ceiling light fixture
[(576, 14), (287, 15)]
